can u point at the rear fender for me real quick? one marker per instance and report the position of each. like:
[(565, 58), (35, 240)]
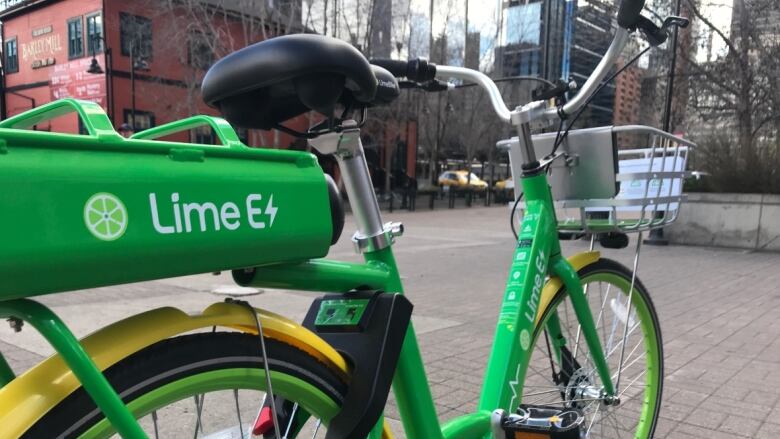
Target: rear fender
[(27, 398)]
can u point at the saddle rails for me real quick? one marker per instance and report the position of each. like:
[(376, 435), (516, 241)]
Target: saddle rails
[(180, 208)]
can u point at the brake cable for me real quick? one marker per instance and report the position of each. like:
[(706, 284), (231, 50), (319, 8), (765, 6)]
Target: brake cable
[(559, 140), (270, 390)]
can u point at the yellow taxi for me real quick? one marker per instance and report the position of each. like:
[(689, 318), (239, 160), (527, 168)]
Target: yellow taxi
[(504, 190), (461, 180), (507, 184)]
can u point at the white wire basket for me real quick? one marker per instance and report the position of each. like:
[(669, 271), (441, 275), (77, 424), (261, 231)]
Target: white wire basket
[(625, 178)]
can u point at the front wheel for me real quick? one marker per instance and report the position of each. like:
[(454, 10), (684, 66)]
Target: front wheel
[(206, 385), (562, 373)]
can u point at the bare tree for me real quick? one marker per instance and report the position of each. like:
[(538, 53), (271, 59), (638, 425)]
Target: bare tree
[(738, 92), (198, 32)]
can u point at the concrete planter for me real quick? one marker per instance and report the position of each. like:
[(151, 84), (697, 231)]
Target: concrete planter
[(749, 221)]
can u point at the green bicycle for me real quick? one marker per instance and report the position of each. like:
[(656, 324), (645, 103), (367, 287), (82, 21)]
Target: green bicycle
[(577, 349)]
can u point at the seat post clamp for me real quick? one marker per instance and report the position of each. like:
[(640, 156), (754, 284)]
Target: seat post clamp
[(343, 143), (384, 239)]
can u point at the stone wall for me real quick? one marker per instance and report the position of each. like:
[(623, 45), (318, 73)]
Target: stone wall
[(749, 221)]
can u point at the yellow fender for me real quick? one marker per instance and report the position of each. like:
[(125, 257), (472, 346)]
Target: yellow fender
[(28, 397), (578, 261)]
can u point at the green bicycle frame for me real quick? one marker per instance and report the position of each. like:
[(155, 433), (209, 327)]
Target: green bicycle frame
[(537, 256)]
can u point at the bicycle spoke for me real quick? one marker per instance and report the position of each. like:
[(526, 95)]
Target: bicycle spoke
[(290, 422), (593, 419), (154, 422), (621, 324), (544, 392), (601, 311), (533, 369), (238, 413), (632, 383), (614, 349), (199, 410), (316, 428)]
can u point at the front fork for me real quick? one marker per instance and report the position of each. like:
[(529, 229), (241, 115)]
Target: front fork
[(537, 188), (561, 268)]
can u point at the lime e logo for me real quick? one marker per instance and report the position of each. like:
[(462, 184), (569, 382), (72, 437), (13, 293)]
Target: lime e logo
[(105, 216)]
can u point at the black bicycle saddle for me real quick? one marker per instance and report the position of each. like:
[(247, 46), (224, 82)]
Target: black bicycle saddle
[(269, 82)]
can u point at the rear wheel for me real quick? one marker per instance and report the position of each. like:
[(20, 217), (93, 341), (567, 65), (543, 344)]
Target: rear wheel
[(205, 385), (570, 379)]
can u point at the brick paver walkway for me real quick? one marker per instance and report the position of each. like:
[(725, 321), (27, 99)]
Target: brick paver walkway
[(719, 310)]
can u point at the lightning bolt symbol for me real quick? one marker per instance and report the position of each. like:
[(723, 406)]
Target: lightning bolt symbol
[(270, 210), (513, 384)]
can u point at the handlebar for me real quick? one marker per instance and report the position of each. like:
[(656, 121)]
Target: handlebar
[(417, 70), (619, 41), (420, 71), (628, 14), (445, 72), (590, 86)]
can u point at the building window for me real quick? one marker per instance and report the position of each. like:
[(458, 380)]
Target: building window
[(82, 128), (135, 32), (75, 38), (204, 136), (11, 56), (243, 135), (199, 53), (94, 34), (143, 119)]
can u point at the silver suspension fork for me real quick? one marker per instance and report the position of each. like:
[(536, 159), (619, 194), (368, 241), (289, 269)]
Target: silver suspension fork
[(347, 148)]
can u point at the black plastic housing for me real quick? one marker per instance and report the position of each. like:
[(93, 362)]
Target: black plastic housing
[(372, 348), (628, 14)]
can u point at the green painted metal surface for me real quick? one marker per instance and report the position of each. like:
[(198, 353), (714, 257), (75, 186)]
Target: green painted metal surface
[(221, 127), (318, 275), (6, 373), (508, 361), (410, 384), (91, 114), (568, 275), (99, 209), (65, 343), (552, 323), (469, 426)]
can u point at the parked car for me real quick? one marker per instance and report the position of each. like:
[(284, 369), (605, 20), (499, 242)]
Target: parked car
[(507, 185), (461, 180), (504, 190)]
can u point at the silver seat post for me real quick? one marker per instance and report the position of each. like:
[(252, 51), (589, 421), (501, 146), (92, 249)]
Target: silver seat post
[(347, 147)]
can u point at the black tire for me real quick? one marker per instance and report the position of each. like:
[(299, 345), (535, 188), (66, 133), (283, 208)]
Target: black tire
[(181, 357), (642, 315)]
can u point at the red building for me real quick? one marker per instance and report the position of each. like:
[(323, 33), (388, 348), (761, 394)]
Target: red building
[(149, 58), (49, 46)]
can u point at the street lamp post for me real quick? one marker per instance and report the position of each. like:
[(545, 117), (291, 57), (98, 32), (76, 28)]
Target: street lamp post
[(136, 62), (94, 68), (656, 236), (132, 86)]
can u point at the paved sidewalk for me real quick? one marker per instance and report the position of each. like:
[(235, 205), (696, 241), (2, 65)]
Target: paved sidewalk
[(719, 309)]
